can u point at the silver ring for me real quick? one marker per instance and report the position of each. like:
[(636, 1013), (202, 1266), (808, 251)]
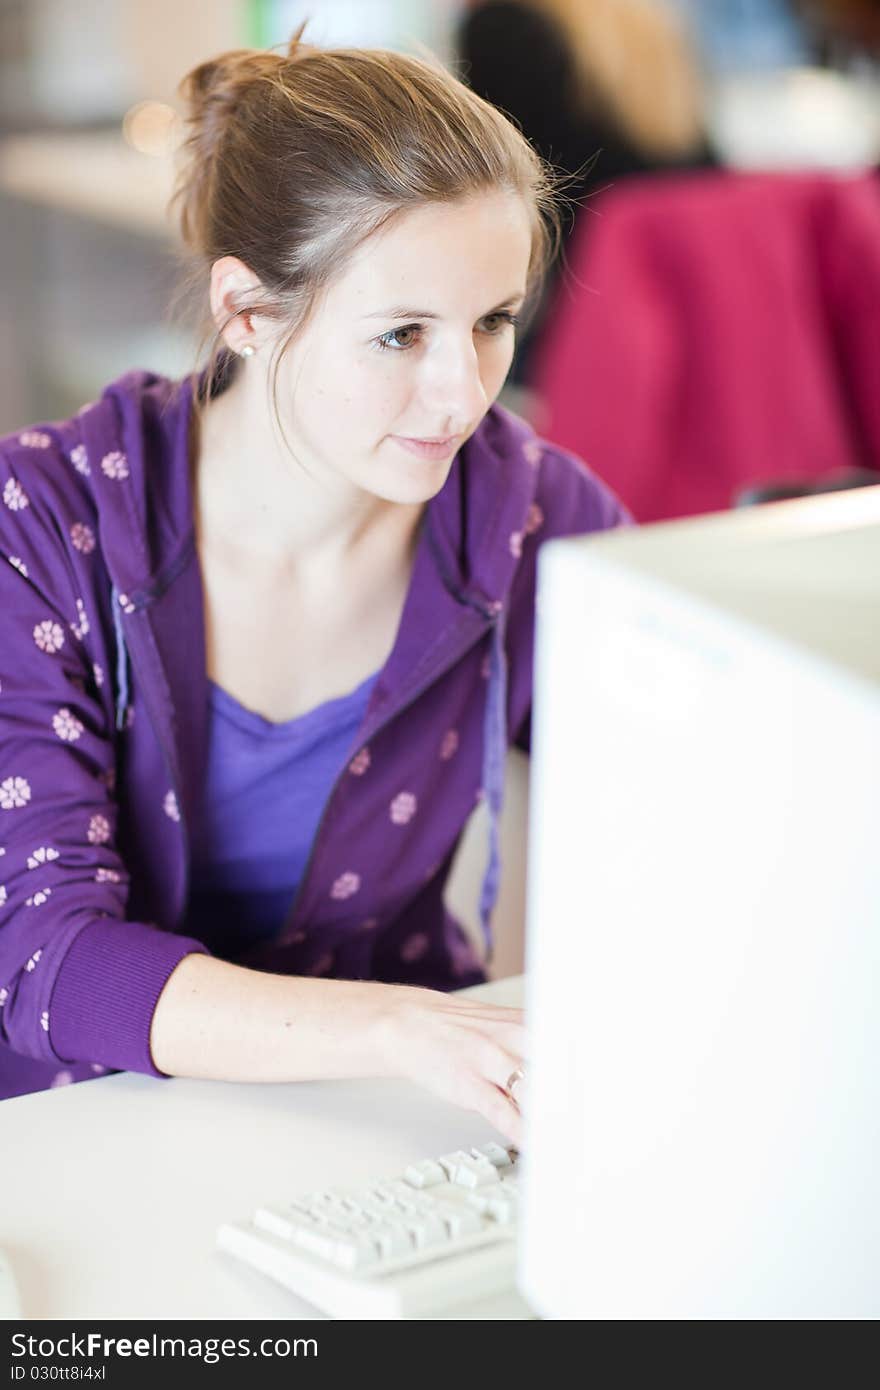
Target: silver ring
[(512, 1082)]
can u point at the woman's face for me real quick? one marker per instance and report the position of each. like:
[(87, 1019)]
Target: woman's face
[(413, 341)]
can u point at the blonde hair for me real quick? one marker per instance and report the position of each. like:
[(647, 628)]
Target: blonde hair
[(292, 161), (638, 56)]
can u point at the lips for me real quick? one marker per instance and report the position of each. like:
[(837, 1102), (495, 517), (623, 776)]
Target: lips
[(427, 448)]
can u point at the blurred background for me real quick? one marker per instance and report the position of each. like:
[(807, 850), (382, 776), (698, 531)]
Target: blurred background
[(711, 333)]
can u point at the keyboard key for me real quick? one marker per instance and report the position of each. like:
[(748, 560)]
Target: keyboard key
[(495, 1154), (383, 1193), (460, 1220), (427, 1201), (392, 1239), (501, 1209), (357, 1252), (374, 1209), (320, 1242), (474, 1173), (402, 1191), (478, 1202), (425, 1174), (317, 1215), (449, 1162), (427, 1230)]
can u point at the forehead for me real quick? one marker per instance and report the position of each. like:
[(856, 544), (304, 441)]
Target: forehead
[(441, 252)]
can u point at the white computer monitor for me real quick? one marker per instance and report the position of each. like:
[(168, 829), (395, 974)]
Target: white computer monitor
[(703, 919)]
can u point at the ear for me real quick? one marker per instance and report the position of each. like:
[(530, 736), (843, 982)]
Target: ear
[(233, 284)]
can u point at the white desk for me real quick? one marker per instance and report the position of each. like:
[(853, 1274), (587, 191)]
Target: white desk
[(112, 1189)]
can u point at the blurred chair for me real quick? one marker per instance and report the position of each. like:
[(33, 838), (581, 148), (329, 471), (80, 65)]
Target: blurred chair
[(718, 333)]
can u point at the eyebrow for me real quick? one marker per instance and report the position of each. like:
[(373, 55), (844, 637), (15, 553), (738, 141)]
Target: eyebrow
[(397, 311)]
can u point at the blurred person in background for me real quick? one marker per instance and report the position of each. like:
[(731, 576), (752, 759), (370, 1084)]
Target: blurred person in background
[(745, 36), (847, 38), (602, 88), (742, 36), (267, 631), (846, 31)]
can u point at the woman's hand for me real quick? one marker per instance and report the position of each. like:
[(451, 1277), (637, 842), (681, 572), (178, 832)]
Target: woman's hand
[(225, 1022), (461, 1050)]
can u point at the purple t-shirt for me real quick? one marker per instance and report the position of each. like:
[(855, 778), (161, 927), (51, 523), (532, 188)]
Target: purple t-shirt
[(266, 786)]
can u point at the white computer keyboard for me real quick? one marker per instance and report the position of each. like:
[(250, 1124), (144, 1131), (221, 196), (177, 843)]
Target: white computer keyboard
[(435, 1236)]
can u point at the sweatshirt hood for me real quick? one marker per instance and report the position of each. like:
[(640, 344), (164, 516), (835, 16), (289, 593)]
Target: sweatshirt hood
[(139, 432), (478, 519)]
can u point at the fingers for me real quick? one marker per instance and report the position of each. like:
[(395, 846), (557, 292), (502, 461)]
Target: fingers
[(521, 1096), (514, 1086), (464, 1052), (496, 1106), (496, 1063), (494, 1067), (496, 1056)]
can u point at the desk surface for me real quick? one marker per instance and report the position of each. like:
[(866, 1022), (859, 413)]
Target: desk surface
[(113, 1189)]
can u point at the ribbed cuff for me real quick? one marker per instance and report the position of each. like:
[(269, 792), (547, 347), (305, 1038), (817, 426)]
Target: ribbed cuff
[(107, 989)]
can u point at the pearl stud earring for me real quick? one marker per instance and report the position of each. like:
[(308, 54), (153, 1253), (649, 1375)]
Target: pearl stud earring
[(247, 351)]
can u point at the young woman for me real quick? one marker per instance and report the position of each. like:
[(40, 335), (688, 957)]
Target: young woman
[(267, 632)]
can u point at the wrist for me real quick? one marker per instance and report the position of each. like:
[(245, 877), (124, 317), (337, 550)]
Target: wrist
[(391, 1032)]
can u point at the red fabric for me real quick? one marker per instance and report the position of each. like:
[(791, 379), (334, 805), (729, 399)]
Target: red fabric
[(715, 331)]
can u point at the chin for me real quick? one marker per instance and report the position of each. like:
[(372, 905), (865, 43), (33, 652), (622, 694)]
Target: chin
[(412, 488)]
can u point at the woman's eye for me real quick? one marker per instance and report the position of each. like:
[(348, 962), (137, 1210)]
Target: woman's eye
[(386, 339), (391, 340)]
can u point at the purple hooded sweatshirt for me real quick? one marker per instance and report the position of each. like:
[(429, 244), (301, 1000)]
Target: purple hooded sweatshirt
[(104, 704)]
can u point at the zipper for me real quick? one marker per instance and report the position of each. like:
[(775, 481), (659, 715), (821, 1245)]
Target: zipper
[(485, 611), (169, 757), (140, 600)]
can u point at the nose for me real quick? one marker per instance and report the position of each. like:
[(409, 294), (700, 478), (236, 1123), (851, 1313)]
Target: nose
[(452, 389)]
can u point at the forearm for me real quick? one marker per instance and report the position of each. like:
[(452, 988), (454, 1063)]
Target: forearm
[(223, 1022)]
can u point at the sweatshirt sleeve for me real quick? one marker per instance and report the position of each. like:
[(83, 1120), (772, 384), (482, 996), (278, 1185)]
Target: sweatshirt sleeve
[(570, 500), (78, 981)]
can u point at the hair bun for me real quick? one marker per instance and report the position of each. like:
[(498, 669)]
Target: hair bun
[(297, 49), (212, 92), (212, 88)]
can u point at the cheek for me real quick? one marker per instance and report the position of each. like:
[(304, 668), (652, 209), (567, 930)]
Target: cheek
[(359, 413), (350, 392), (496, 364), (378, 389)]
